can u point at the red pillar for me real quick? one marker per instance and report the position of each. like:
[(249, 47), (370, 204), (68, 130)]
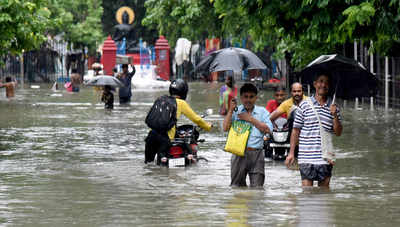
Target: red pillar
[(109, 56), (162, 58)]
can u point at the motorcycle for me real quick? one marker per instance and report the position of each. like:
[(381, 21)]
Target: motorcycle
[(183, 150), (184, 147), (277, 144)]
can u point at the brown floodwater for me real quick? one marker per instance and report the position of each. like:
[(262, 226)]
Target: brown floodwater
[(65, 161)]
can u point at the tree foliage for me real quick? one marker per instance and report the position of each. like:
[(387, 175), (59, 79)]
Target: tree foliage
[(79, 21), (191, 19), (308, 28), (302, 29), (22, 25), (25, 24)]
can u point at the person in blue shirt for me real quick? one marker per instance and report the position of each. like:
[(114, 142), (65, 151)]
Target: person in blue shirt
[(252, 163)]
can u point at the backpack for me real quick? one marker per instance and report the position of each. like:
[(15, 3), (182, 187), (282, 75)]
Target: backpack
[(162, 115)]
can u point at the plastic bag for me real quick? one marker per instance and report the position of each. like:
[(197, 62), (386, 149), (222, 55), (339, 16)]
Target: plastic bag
[(328, 153), (237, 138)]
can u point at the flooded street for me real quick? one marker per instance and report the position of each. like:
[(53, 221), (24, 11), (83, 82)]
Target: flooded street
[(65, 161)]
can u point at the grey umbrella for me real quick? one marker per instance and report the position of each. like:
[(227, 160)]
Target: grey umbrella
[(104, 80), (232, 58)]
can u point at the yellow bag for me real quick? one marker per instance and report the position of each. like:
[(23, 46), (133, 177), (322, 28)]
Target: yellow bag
[(237, 137)]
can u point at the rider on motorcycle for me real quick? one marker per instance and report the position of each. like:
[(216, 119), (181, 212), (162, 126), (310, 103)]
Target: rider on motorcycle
[(178, 89), (288, 106)]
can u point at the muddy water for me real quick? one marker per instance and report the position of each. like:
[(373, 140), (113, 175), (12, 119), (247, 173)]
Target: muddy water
[(65, 161)]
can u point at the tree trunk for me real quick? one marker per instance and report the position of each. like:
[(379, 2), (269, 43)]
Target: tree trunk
[(289, 70)]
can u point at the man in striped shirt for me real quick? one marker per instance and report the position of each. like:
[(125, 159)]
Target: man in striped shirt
[(306, 130)]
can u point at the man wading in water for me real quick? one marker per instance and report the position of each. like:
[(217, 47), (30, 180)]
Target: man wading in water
[(307, 127), (252, 163)]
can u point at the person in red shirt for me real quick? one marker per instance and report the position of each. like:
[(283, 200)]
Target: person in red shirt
[(279, 97)]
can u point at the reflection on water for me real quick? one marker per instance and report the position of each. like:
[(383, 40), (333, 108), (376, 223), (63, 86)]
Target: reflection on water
[(65, 160), (238, 209), (314, 208)]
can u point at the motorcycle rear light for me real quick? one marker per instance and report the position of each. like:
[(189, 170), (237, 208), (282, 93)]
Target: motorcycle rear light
[(176, 151)]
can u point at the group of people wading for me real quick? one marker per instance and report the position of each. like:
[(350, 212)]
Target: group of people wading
[(310, 116)]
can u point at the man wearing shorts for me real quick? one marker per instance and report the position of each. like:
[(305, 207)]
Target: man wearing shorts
[(306, 131), (252, 163)]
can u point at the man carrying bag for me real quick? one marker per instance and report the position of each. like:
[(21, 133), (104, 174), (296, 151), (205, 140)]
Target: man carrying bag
[(252, 163), (317, 119)]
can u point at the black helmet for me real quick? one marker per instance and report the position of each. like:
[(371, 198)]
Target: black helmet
[(179, 87)]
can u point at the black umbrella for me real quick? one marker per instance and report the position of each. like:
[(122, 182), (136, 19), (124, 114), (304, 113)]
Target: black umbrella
[(232, 58), (349, 78)]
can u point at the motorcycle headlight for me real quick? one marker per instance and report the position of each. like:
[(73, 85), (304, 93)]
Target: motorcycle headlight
[(280, 137)]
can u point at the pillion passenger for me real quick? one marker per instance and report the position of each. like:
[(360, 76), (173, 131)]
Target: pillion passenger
[(286, 108)]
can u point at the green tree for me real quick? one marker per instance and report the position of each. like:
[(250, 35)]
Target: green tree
[(79, 21), (22, 25), (304, 29), (298, 30), (191, 19), (79, 24)]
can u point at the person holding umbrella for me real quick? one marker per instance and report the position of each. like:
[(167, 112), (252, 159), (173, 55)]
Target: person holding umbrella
[(109, 83), (313, 115), (108, 97)]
